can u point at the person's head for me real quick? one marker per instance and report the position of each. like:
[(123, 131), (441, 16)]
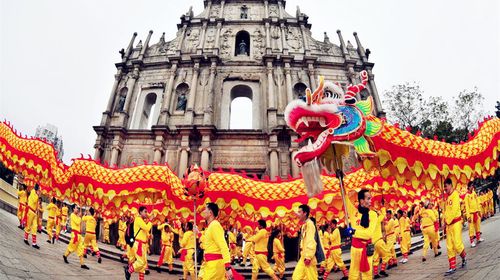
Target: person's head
[(400, 213), (91, 211), (364, 198), (54, 200), (143, 212), (262, 224), (334, 223), (189, 226), (303, 212), (76, 209), (388, 214), (37, 189), (448, 185), (211, 211), (427, 204), (470, 186)]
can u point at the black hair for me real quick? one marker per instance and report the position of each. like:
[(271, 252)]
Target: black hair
[(470, 184), (400, 212), (361, 194), (447, 181), (142, 208), (262, 223), (189, 226), (334, 221), (91, 210), (214, 208), (54, 200), (388, 212), (305, 208)]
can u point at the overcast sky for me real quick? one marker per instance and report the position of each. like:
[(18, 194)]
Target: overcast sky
[(57, 57)]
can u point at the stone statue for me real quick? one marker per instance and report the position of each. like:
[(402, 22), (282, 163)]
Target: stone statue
[(243, 48), (244, 12), (121, 103), (181, 102)]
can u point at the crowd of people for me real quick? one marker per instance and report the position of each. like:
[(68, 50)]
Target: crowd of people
[(372, 236)]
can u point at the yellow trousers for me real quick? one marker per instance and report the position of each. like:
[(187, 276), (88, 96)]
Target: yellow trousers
[(75, 246), (429, 237), (212, 270), (354, 272), (279, 265), (106, 235), (248, 251), (121, 239), (390, 241), (405, 242), (260, 262), (305, 272), (20, 211), (31, 223), (188, 264), (381, 252), (335, 258), (140, 254), (167, 255), (475, 227), (454, 242), (50, 226), (91, 241)]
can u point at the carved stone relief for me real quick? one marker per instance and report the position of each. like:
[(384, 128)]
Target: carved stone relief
[(293, 38), (258, 44), (226, 46), (192, 40), (275, 38)]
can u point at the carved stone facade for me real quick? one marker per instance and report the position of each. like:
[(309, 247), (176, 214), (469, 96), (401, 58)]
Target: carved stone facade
[(170, 101)]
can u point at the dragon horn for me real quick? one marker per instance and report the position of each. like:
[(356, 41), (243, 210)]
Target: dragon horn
[(352, 90)]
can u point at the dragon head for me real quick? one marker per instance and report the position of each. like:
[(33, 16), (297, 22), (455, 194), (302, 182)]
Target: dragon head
[(330, 115)]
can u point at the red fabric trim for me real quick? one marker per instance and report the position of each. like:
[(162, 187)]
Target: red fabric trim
[(364, 266), (212, 257)]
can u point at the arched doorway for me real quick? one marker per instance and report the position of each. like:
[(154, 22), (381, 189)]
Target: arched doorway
[(241, 108)]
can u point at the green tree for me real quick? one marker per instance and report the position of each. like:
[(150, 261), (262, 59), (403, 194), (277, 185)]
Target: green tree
[(468, 109), (404, 104)]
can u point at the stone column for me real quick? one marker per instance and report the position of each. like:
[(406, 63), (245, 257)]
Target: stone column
[(268, 37), (202, 37), (181, 40), (209, 101), (205, 158), (183, 161), (312, 77), (146, 44), (130, 85), (112, 96), (97, 153), (192, 93), (115, 151), (217, 36), (374, 93), (129, 48), (165, 107), (221, 15), (288, 79), (283, 39), (270, 86), (273, 164), (294, 149), (157, 155), (305, 39)]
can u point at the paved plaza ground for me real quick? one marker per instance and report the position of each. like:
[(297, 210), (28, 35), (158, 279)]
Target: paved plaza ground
[(18, 261)]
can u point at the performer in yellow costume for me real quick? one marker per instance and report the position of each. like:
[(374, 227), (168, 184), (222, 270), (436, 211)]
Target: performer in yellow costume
[(122, 227), (390, 237), (76, 241), (166, 255), (90, 240), (405, 241), (427, 220), (51, 220), (22, 197), (58, 220), (106, 231), (278, 254), (187, 244), (306, 266), (248, 248), (141, 230), (363, 222), (334, 257), (216, 257), (31, 217), (260, 241), (40, 215), (473, 215), (381, 249), (453, 220)]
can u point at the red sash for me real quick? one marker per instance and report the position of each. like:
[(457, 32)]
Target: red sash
[(183, 254), (261, 253), (89, 232), (232, 246), (163, 248), (139, 247), (475, 217), (335, 247), (76, 233), (456, 220), (364, 266), (212, 257)]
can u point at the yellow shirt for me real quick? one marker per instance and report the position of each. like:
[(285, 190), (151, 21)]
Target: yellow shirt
[(33, 201), (277, 247), (75, 222), (232, 238), (427, 217), (377, 233), (260, 240), (106, 225), (122, 226), (335, 238), (471, 203), (52, 209), (214, 241), (188, 240), (22, 197), (141, 229), (166, 237), (404, 224), (307, 242), (452, 207), (355, 220), (397, 228), (325, 240), (90, 224), (390, 227), (64, 211)]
